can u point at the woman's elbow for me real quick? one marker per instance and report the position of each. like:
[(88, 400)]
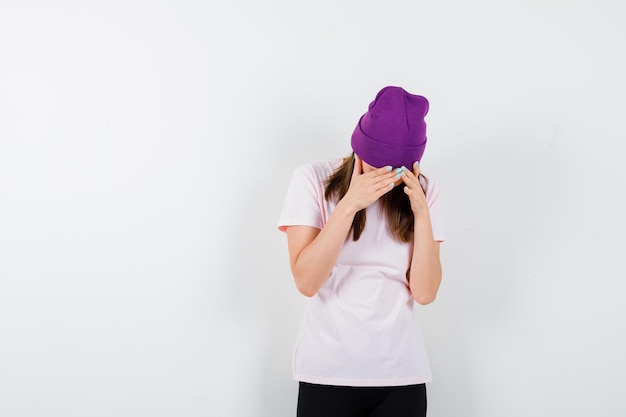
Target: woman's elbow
[(307, 282), (305, 288), (306, 291), (424, 295), (424, 299)]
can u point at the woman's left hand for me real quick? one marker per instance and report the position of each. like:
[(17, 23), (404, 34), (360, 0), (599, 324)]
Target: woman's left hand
[(413, 189)]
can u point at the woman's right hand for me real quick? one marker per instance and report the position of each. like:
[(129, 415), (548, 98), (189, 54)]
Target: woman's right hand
[(313, 252), (366, 188)]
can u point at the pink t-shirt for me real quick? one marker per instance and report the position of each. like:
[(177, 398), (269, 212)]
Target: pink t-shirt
[(359, 328)]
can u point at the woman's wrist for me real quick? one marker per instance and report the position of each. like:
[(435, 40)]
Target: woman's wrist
[(420, 209), (345, 209), (421, 218)]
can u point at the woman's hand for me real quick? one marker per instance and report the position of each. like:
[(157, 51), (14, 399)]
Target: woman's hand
[(414, 190), (366, 188), (424, 273)]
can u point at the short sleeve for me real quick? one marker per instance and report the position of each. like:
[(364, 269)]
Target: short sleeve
[(436, 220), (303, 203)]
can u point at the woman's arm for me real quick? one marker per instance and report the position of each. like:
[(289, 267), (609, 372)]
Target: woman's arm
[(313, 252), (425, 271)]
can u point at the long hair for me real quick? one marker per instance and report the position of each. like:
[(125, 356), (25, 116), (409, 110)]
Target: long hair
[(395, 204)]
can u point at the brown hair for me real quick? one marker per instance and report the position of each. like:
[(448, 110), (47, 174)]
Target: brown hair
[(395, 204)]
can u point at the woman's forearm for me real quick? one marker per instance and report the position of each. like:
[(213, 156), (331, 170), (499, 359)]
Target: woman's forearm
[(314, 263), (425, 270)]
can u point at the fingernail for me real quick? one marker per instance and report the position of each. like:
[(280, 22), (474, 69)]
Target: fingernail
[(399, 174), (398, 170), (388, 168), (391, 185), (417, 163), (403, 168)]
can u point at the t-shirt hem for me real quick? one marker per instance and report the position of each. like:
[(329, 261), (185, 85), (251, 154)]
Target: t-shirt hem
[(364, 382)]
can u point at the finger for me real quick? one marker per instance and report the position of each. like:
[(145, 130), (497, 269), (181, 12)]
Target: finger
[(410, 178), (383, 182), (414, 173), (384, 179), (385, 189), (416, 168), (409, 182), (380, 178), (412, 182), (386, 171), (411, 193), (409, 174), (358, 166), (412, 189), (419, 177)]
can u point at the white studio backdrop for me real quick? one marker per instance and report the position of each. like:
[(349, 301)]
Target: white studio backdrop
[(145, 149)]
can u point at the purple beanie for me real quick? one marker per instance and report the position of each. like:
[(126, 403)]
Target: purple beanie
[(393, 131)]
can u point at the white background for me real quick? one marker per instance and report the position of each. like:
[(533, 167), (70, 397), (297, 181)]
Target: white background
[(146, 147)]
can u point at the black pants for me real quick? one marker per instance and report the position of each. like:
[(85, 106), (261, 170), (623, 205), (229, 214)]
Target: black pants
[(334, 401)]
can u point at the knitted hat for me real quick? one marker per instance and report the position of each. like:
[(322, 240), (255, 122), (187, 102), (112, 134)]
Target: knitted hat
[(393, 131)]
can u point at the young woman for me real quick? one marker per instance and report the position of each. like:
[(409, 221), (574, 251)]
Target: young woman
[(363, 235)]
